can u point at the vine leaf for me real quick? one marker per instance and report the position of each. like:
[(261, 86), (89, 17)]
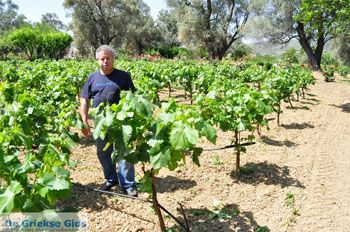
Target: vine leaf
[(7, 198), (182, 136)]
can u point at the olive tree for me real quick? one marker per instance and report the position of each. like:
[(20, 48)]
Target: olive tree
[(8, 16), (312, 22), (112, 22), (210, 24), (52, 20)]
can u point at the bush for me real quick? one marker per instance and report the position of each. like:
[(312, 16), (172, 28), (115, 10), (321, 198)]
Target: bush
[(290, 56), (327, 59), (263, 60), (343, 70), (5, 48), (39, 42), (239, 51), (170, 52), (55, 44), (328, 72)]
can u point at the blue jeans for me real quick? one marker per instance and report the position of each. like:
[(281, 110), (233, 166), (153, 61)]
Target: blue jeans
[(126, 170)]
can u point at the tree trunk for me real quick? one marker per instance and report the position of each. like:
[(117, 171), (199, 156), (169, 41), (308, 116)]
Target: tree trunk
[(314, 58)]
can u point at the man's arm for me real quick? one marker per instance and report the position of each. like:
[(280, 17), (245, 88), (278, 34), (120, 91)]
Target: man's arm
[(84, 111)]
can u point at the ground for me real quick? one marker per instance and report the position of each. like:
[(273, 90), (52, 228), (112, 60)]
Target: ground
[(296, 177)]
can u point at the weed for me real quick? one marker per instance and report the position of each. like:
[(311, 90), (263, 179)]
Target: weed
[(290, 202), (262, 229), (217, 161)]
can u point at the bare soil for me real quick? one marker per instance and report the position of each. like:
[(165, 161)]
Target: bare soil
[(296, 177)]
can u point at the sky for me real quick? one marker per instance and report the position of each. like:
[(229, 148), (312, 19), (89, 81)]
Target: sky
[(34, 9)]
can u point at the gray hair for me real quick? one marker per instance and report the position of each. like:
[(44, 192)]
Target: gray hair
[(105, 48)]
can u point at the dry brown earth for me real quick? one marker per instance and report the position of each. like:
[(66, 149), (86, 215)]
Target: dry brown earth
[(307, 158)]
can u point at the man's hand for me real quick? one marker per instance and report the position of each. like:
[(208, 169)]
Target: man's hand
[(86, 131), (84, 109)]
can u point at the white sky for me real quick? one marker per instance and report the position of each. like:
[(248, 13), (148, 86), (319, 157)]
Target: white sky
[(34, 9)]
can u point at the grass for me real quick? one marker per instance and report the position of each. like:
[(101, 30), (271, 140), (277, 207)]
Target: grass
[(290, 202), (217, 161)]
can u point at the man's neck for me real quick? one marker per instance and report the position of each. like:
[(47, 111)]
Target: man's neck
[(106, 72)]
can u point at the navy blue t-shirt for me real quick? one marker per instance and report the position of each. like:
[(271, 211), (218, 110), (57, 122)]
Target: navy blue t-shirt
[(106, 88)]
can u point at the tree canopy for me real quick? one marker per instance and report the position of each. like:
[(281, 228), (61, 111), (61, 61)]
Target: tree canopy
[(9, 18), (112, 22), (211, 24), (312, 22), (39, 41), (52, 20)]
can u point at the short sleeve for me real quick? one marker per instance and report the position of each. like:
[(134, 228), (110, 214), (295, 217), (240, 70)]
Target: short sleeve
[(86, 91)]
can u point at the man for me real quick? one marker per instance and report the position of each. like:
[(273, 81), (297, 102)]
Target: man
[(104, 86)]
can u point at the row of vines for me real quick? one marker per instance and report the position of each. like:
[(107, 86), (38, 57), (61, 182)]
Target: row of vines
[(38, 109)]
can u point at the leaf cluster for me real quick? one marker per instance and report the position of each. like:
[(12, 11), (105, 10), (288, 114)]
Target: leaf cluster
[(161, 135)]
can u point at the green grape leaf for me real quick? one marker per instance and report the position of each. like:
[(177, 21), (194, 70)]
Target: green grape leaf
[(182, 136), (161, 159), (209, 132), (196, 152), (155, 145), (99, 131), (109, 117), (53, 182), (8, 197), (127, 132)]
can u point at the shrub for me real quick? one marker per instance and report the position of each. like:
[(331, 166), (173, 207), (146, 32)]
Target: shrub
[(239, 51), (263, 60), (327, 59), (290, 56), (39, 42), (343, 70), (328, 72)]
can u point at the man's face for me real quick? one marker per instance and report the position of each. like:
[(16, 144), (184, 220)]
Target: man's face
[(105, 60)]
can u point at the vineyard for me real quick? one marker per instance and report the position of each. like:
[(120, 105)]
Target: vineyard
[(219, 138)]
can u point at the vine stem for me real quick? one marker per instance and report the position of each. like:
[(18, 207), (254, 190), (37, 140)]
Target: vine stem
[(155, 202), (238, 152), (278, 114)]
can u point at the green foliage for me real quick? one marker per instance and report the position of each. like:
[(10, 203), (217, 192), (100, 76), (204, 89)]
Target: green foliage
[(5, 47), (328, 72), (161, 136), (263, 60), (290, 202), (213, 25), (38, 102), (55, 44), (121, 24), (52, 20), (262, 229), (343, 71), (39, 42), (171, 52), (328, 59), (240, 51), (217, 161), (219, 212), (9, 17), (290, 56), (290, 199), (36, 113), (27, 40), (343, 49)]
